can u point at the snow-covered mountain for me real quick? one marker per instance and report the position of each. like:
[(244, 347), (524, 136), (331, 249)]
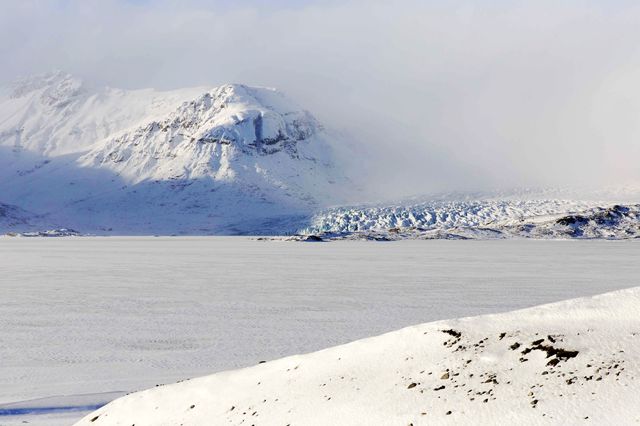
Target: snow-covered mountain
[(233, 132), (231, 159)]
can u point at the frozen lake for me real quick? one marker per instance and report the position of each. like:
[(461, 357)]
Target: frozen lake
[(93, 315)]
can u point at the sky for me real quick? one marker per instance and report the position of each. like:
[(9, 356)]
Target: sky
[(435, 95)]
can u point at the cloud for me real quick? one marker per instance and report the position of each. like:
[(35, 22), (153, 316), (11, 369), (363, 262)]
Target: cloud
[(440, 95)]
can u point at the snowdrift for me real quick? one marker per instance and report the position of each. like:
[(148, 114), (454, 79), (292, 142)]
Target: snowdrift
[(573, 362)]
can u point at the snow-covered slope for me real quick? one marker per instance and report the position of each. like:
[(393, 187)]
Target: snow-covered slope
[(571, 362), (56, 113), (232, 159), (15, 217)]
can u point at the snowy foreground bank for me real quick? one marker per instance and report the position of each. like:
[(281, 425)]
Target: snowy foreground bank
[(571, 362)]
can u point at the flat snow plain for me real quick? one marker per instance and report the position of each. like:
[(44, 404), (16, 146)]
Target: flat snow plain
[(99, 315)]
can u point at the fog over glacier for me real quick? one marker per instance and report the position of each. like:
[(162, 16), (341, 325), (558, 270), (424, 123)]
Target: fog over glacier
[(465, 95)]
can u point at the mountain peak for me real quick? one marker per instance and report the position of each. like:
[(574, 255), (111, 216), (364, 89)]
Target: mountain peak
[(259, 119), (210, 135)]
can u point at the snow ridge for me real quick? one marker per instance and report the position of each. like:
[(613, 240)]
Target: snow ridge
[(563, 363), (56, 114)]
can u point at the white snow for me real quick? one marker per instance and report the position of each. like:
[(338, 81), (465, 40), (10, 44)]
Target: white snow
[(95, 315), (573, 362)]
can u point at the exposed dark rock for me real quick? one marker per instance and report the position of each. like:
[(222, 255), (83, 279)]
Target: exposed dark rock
[(560, 353), (572, 220), (453, 333), (553, 362)]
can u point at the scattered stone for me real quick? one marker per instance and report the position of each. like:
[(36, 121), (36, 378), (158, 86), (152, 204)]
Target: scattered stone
[(553, 362)]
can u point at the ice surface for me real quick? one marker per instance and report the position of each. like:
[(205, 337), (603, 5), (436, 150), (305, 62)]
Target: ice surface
[(92, 315)]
